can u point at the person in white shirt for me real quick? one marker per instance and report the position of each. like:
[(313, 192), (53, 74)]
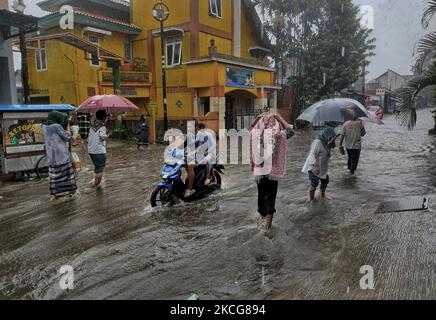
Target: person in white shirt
[(98, 134), (317, 162)]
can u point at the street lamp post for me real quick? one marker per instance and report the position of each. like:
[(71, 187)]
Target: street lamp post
[(161, 13)]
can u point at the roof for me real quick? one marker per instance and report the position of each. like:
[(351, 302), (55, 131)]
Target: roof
[(33, 108), (50, 5), (90, 19), (11, 21)]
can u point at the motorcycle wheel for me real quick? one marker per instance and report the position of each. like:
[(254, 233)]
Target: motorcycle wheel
[(218, 179), (160, 196)]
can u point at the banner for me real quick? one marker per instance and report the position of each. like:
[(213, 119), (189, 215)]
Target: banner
[(241, 78)]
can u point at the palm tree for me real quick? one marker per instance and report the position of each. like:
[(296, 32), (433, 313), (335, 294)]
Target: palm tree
[(425, 50)]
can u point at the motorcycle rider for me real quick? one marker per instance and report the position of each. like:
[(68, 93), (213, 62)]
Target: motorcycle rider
[(203, 153)]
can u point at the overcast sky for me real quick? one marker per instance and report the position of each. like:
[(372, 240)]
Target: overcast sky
[(397, 28)]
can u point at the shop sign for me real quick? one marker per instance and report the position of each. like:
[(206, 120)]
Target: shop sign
[(380, 92), (241, 78), (24, 132)]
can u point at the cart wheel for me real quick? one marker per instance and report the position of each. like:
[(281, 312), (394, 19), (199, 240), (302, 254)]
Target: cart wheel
[(42, 168)]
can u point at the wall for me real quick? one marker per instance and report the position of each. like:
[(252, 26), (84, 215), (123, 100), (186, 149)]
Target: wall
[(8, 90), (222, 24), (247, 36)]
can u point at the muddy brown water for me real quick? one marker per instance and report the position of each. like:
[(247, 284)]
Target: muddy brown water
[(121, 248)]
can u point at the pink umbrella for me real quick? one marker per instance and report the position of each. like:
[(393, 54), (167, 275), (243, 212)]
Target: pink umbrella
[(109, 102)]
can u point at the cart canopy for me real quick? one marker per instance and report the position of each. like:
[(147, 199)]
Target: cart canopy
[(36, 108)]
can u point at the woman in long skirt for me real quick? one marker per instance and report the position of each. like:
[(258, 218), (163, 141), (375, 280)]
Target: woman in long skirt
[(62, 175)]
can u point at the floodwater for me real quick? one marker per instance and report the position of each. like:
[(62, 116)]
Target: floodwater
[(120, 248)]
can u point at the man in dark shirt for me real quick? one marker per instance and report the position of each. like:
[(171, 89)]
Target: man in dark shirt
[(84, 122)]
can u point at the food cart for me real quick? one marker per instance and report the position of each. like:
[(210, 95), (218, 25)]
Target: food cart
[(21, 135)]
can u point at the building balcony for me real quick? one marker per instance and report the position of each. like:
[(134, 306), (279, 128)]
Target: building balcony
[(264, 63), (132, 78)]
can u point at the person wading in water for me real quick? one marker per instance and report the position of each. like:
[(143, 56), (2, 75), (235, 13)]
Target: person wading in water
[(269, 132)]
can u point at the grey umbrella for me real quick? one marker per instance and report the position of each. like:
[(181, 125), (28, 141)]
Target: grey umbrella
[(333, 110)]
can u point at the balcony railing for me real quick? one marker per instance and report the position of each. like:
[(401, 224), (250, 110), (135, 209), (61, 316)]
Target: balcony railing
[(253, 61), (128, 76)]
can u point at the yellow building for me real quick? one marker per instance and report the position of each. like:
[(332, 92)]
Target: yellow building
[(216, 58), (60, 70)]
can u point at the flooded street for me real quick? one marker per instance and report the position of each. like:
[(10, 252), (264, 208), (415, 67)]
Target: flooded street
[(121, 248)]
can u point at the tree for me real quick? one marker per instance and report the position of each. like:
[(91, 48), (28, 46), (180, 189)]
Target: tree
[(324, 42), (425, 68)]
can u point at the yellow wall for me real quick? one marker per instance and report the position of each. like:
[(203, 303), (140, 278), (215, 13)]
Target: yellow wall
[(224, 23), (224, 46), (141, 13), (247, 36)]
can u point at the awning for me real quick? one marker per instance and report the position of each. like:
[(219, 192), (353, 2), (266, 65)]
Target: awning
[(27, 108), (11, 23)]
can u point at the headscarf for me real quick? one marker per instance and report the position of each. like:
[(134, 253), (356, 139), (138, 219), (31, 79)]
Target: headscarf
[(56, 117), (326, 137)]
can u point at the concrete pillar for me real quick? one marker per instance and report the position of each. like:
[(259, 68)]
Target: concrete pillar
[(8, 89), (274, 102), (196, 104), (218, 104), (260, 103)]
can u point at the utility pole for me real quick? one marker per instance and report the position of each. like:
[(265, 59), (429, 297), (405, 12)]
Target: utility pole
[(161, 13)]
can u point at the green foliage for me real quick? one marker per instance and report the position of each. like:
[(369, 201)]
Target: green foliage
[(319, 37), (409, 94), (425, 50)]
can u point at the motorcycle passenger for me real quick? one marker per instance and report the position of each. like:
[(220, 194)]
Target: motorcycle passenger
[(206, 153), (191, 142)]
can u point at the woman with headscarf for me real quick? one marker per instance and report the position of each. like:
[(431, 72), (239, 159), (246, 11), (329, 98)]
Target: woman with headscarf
[(62, 175), (317, 163), (268, 160)]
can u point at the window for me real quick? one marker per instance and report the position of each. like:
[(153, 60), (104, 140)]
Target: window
[(174, 52), (128, 51), (215, 8), (41, 58), (95, 61)]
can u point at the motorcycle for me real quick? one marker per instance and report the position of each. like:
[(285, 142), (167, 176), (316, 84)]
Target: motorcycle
[(171, 190)]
